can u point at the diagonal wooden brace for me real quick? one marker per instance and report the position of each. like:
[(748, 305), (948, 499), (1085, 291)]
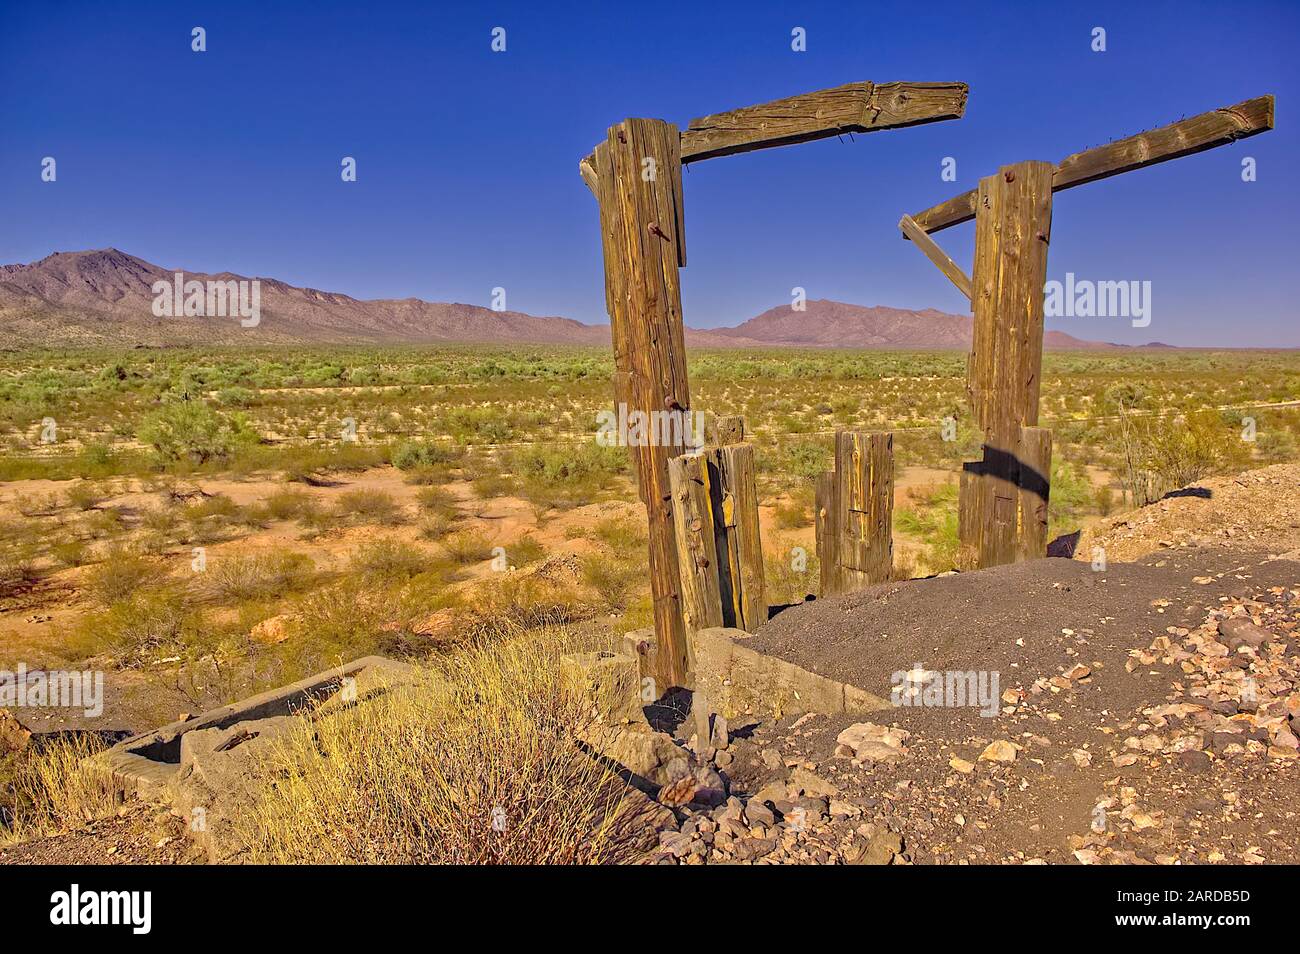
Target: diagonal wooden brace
[(935, 254)]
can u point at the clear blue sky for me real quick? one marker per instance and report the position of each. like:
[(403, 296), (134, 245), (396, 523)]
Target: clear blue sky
[(467, 159)]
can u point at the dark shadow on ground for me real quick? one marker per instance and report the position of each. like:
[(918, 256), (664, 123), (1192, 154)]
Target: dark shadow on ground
[(1205, 493)]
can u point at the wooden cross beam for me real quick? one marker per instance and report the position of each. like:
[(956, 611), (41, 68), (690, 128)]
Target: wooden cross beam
[(1183, 138), (851, 108)]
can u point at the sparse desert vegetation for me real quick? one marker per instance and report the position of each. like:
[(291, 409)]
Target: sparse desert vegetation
[(213, 523)]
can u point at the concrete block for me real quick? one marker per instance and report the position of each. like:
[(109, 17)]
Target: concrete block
[(737, 681)]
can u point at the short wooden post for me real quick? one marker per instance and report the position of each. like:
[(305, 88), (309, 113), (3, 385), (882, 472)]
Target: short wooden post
[(740, 548), (690, 478), (864, 477), (1013, 224), (827, 528), (643, 240)]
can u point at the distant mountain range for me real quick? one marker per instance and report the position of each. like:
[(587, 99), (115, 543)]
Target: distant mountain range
[(105, 296)]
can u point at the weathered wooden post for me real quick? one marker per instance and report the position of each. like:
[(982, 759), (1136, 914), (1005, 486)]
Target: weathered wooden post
[(715, 519), (855, 513), (740, 547), (697, 543), (1013, 226), (827, 528), (864, 477), (638, 183), (720, 431), (1035, 487)]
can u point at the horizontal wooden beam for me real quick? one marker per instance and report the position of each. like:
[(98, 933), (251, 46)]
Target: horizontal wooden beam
[(1206, 131), (937, 255), (852, 108)]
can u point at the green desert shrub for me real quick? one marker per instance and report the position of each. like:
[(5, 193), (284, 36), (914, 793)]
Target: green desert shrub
[(611, 578), (416, 455), (190, 431)]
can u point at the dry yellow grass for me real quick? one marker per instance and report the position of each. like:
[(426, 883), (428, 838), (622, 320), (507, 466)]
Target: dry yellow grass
[(54, 791), (476, 764)]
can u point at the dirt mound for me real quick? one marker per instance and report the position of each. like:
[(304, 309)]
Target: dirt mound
[(1257, 508), (1146, 713)]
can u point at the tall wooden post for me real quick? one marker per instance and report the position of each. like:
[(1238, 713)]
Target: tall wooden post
[(1013, 223), (638, 183)]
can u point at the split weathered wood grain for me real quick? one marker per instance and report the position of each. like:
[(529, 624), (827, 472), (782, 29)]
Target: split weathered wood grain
[(852, 108), (740, 546)]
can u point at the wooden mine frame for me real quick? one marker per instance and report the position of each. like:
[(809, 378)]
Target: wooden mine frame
[(1003, 498), (636, 177)]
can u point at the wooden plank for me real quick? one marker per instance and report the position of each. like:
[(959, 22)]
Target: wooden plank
[(1035, 485), (852, 108), (736, 510), (693, 530), (864, 471), (935, 254), (827, 533), (1186, 137), (641, 226)]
